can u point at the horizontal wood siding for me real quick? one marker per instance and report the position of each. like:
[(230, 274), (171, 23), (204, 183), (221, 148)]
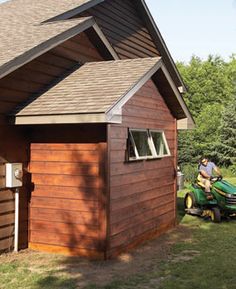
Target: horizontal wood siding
[(42, 72), (65, 208), (142, 194), (124, 28), (13, 148)]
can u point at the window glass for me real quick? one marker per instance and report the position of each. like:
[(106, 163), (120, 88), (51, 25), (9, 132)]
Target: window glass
[(140, 141), (146, 144), (160, 143), (131, 149)]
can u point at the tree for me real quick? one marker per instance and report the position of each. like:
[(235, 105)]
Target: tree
[(211, 88), (208, 82), (227, 145)]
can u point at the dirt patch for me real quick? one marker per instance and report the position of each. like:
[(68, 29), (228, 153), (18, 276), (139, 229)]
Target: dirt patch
[(145, 258)]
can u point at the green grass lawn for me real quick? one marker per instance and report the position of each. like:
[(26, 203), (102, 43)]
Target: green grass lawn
[(200, 255)]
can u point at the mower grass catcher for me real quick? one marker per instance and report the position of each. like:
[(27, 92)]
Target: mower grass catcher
[(222, 204)]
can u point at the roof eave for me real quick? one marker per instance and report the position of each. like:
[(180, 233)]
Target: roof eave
[(114, 113), (189, 120), (53, 42), (59, 119), (71, 13), (116, 110), (149, 19), (182, 88)]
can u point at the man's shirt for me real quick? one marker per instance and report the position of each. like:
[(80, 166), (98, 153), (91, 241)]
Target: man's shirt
[(208, 168)]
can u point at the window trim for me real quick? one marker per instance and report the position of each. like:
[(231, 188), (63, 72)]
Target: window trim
[(137, 157), (164, 140), (150, 144)]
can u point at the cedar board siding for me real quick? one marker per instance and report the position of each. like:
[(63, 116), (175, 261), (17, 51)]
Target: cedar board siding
[(142, 194), (67, 206), (124, 28), (13, 148), (42, 71)]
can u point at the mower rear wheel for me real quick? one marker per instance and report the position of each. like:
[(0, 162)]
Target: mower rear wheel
[(189, 201), (215, 215)]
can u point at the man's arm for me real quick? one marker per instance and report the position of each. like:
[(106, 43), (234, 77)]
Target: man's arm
[(217, 170), (204, 174)]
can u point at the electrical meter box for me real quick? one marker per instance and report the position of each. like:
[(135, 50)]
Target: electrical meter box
[(14, 174)]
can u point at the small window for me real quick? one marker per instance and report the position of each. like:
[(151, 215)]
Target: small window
[(146, 144), (160, 143), (139, 148)]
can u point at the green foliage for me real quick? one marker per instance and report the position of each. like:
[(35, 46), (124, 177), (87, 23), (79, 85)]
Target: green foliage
[(190, 173), (211, 99), (227, 145), (233, 170)]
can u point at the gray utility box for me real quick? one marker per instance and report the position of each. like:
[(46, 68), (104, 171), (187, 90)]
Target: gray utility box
[(14, 174), (180, 181)]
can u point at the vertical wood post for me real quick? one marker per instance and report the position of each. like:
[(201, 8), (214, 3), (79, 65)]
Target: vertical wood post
[(175, 168), (103, 206)]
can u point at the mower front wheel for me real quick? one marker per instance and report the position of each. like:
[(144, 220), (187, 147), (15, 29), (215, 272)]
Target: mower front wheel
[(189, 201), (215, 215)]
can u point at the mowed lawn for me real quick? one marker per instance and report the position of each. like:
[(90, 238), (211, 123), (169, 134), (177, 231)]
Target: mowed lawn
[(197, 254)]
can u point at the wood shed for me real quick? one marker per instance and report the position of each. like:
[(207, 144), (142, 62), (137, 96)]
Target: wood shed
[(91, 106)]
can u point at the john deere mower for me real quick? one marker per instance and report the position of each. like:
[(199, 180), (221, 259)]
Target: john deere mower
[(222, 204)]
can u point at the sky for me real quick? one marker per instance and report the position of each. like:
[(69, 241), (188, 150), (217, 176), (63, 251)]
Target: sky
[(195, 27)]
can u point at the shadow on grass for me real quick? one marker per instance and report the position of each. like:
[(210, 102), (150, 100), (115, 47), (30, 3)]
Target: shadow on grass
[(54, 282), (180, 209)]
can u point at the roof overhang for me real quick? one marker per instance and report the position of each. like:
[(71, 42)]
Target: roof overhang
[(35, 52), (75, 11), (61, 119), (114, 113), (150, 22), (159, 41)]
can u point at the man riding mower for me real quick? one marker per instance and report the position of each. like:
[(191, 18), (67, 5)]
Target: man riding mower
[(211, 196)]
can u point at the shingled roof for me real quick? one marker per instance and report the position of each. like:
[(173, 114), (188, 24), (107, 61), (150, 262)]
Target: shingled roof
[(95, 88), (24, 29), (19, 16), (38, 37), (22, 25)]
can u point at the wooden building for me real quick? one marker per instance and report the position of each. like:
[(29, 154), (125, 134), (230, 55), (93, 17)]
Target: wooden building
[(90, 103)]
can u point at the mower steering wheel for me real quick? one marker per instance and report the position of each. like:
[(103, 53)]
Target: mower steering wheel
[(216, 179)]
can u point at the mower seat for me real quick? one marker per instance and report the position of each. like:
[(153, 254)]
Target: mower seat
[(197, 186), (200, 184)]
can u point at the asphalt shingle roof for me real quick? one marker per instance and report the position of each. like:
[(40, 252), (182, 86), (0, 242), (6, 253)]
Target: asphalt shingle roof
[(93, 88), (22, 25)]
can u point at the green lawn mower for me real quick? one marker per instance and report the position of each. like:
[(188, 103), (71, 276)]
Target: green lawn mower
[(223, 203)]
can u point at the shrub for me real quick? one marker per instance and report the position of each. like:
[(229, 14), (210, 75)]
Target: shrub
[(190, 172), (233, 169)]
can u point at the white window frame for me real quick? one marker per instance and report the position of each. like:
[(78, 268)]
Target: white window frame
[(137, 157), (160, 155), (154, 154)]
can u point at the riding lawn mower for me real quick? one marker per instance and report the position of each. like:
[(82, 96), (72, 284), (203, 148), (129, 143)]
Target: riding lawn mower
[(222, 204)]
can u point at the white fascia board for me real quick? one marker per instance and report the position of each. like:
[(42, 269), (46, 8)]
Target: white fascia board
[(115, 111), (60, 119), (184, 124)]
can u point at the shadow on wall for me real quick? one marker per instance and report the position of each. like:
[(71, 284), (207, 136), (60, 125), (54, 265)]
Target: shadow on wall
[(66, 191), (66, 202)]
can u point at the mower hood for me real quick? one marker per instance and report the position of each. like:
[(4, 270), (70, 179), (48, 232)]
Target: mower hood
[(225, 187)]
